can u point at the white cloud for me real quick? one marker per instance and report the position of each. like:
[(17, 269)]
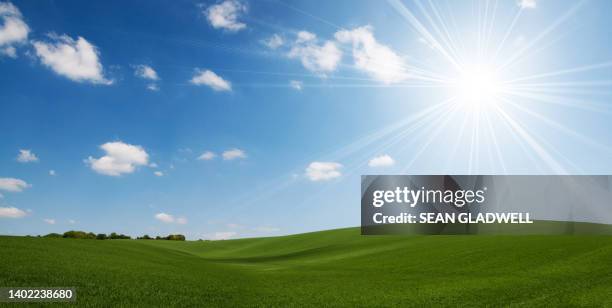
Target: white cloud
[(13, 30), (145, 72), (322, 58), (208, 155), (49, 221), (153, 165), (8, 9), (13, 185), (377, 60), (153, 87), (381, 161), (148, 73), (223, 235), (167, 218), (225, 15), (323, 171), (527, 4), (158, 173), (163, 217), (209, 78), (26, 156), (296, 84), (233, 154), (274, 41), (72, 221), (9, 51), (305, 36), (52, 172), (11, 212), (77, 59), (120, 158)]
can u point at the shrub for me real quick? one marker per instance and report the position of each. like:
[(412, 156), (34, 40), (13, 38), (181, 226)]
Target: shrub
[(144, 237)]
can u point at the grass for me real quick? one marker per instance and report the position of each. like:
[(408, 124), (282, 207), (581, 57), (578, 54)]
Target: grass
[(328, 268)]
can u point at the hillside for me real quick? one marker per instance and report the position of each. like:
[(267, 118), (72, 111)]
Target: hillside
[(337, 267)]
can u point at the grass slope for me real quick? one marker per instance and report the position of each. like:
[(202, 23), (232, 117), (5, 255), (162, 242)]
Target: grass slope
[(337, 267)]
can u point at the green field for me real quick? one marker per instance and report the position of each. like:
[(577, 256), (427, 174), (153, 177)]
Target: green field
[(329, 268)]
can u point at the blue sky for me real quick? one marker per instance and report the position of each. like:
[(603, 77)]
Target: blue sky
[(255, 118)]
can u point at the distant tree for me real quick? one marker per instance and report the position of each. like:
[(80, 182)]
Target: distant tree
[(88, 235), (79, 235), (171, 237), (71, 234), (144, 237), (115, 236), (53, 235), (176, 237), (101, 236)]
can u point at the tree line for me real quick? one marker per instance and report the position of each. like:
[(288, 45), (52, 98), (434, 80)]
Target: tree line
[(171, 237), (112, 236)]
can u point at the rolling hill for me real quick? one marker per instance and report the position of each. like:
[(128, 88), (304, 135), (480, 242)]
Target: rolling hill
[(336, 267)]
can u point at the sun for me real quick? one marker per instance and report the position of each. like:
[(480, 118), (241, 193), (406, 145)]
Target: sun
[(477, 86)]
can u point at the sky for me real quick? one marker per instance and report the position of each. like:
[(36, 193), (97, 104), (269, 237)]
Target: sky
[(227, 119)]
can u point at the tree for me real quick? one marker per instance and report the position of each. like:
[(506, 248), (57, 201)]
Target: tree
[(79, 235), (176, 237), (101, 236), (172, 237), (115, 236)]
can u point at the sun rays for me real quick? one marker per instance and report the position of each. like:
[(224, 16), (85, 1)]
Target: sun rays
[(489, 109), (489, 100)]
